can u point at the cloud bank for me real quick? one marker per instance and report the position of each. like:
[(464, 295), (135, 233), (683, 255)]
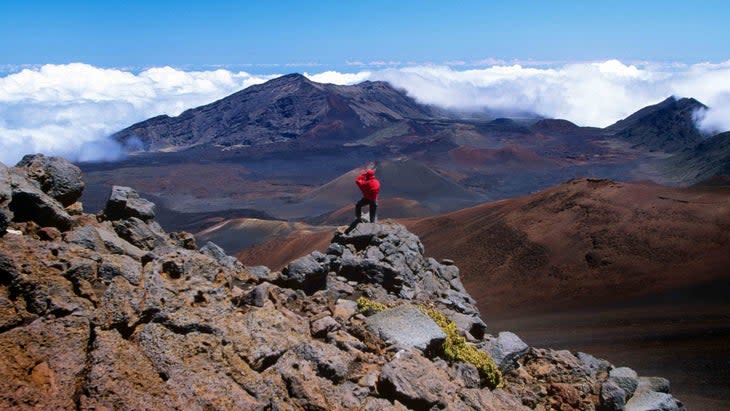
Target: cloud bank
[(70, 109)]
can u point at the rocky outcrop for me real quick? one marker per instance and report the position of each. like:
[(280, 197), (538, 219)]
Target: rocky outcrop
[(111, 312), (56, 176)]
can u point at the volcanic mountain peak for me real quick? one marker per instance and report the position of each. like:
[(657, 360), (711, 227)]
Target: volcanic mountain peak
[(282, 109), (667, 126)]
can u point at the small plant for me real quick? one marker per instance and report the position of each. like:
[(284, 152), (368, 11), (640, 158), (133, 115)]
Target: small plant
[(455, 348), (367, 306)]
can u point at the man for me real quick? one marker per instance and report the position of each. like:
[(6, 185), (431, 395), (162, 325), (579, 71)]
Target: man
[(370, 187)]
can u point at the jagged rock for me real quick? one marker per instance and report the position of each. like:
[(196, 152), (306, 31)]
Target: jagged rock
[(626, 378), (270, 333), (613, 397), (467, 324), (184, 239), (652, 401), (344, 309), (406, 327), (6, 195), (87, 237), (124, 202), (304, 273), (139, 234), (121, 377), (120, 265), (593, 365), (43, 363), (329, 362), (379, 404), (29, 203), (505, 350), (415, 381), (258, 295), (657, 384), (467, 373), (116, 245), (323, 326), (212, 250), (263, 273), (75, 209), (486, 400), (57, 177)]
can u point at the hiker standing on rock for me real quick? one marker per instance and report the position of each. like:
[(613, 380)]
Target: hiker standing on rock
[(370, 187)]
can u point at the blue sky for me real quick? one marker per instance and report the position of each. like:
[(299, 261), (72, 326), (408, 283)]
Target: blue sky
[(331, 33)]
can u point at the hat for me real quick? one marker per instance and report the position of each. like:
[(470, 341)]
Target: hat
[(370, 173)]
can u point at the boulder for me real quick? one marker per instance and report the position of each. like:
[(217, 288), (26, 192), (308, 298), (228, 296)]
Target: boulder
[(139, 234), (57, 177), (652, 401), (592, 365), (43, 363), (6, 195), (212, 250), (113, 265), (407, 327), (29, 203), (415, 381), (124, 202), (657, 384), (304, 273), (258, 295), (626, 378), (505, 350), (612, 398), (323, 326)]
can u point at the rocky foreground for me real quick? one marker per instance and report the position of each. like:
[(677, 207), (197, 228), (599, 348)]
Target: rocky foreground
[(108, 311)]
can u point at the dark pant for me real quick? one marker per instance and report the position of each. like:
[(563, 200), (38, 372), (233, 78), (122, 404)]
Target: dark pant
[(373, 208)]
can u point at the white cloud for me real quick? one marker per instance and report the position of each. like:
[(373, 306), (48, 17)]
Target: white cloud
[(70, 109)]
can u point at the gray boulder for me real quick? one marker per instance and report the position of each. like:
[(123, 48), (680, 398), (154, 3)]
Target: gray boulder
[(30, 203), (213, 251), (139, 234), (652, 401), (304, 273), (124, 202), (416, 382), (626, 378), (407, 327), (591, 364), (57, 177), (612, 398), (657, 384), (6, 195), (506, 349)]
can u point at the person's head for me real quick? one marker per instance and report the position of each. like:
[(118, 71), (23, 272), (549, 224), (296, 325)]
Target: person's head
[(370, 174)]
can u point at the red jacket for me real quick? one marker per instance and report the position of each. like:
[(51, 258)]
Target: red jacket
[(369, 185)]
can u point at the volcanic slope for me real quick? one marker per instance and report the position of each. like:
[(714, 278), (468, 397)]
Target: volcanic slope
[(280, 110), (583, 242)]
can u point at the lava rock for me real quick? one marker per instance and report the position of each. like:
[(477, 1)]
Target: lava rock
[(506, 349), (652, 401), (304, 273), (212, 250), (29, 203), (125, 202), (613, 397), (407, 327), (415, 381), (626, 378), (57, 177)]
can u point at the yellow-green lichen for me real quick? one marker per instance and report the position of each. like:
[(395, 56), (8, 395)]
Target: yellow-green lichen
[(367, 306), (455, 348)]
